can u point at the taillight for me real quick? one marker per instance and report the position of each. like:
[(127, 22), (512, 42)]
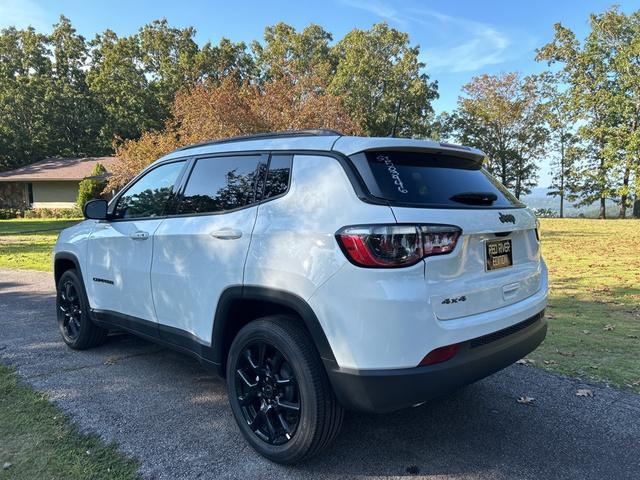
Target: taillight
[(389, 246)]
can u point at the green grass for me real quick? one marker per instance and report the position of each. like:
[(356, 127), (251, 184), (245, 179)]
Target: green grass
[(594, 300), (38, 441), (28, 243)]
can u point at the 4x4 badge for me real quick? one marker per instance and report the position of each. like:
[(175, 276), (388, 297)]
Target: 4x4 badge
[(507, 218)]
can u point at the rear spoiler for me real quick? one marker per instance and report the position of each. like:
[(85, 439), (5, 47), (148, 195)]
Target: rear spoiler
[(352, 145)]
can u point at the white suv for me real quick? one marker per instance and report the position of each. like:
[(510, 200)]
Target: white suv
[(316, 272)]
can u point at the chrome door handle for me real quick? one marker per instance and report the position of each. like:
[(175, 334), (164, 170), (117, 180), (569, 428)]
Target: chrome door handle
[(226, 234), (139, 235)]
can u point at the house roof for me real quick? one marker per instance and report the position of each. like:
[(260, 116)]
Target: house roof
[(57, 169)]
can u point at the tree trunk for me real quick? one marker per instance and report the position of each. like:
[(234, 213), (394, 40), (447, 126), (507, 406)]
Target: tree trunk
[(603, 209), (625, 189), (561, 175), (636, 207)]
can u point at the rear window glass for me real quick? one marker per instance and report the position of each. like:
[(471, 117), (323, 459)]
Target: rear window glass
[(431, 179)]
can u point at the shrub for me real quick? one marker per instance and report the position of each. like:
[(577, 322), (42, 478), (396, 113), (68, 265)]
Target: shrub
[(62, 213), (8, 213), (90, 188)]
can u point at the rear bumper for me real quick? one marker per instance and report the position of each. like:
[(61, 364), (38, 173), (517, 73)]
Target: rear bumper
[(387, 390)]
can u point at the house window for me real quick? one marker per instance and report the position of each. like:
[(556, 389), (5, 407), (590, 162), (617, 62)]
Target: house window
[(30, 193)]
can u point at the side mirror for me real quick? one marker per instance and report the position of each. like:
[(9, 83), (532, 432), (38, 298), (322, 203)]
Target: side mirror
[(95, 210)]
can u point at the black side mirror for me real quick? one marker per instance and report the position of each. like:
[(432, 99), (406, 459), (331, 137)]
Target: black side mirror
[(95, 210)]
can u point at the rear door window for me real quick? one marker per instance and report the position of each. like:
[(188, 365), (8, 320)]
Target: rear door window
[(431, 180), (220, 184)]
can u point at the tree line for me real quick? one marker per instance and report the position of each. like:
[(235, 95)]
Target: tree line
[(146, 94)]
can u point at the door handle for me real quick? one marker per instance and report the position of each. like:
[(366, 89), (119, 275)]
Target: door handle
[(139, 235), (226, 234)]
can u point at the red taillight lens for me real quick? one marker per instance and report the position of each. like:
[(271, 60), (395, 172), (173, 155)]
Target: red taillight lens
[(396, 245), (440, 355)]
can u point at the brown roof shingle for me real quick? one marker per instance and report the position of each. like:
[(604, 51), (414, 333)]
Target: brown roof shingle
[(57, 169)]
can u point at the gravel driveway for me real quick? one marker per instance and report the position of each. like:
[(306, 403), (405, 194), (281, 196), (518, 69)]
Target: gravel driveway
[(165, 409)]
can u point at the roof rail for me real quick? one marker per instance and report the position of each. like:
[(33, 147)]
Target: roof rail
[(316, 132)]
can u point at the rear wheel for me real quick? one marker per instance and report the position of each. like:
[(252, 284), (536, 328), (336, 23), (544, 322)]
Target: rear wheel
[(279, 392), (72, 307)]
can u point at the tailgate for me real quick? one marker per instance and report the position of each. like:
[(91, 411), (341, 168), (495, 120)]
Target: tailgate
[(460, 283)]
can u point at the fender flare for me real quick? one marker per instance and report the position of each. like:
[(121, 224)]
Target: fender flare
[(289, 300), (69, 257)]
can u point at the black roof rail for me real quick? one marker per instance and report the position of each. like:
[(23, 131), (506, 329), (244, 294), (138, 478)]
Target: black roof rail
[(311, 132)]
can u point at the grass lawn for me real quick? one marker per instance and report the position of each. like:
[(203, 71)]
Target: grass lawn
[(38, 441), (594, 303), (28, 243)]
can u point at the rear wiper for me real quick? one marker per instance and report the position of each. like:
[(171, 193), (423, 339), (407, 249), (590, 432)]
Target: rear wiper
[(475, 198)]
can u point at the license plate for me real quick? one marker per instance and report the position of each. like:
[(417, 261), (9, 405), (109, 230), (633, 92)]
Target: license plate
[(499, 254)]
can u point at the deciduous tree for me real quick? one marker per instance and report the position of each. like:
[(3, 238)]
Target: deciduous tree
[(504, 117)]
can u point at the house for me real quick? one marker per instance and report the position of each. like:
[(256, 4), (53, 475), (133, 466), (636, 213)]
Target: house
[(51, 183)]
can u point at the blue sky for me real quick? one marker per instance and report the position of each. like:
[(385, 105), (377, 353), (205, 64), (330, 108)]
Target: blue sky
[(458, 39)]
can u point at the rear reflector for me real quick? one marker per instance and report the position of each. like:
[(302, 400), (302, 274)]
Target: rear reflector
[(440, 355)]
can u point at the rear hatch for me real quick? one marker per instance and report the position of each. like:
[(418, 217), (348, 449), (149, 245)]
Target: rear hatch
[(496, 261)]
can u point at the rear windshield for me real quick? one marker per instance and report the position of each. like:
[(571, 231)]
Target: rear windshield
[(431, 179)]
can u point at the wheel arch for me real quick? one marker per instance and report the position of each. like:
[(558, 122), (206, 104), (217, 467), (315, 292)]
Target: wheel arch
[(64, 261), (240, 305)]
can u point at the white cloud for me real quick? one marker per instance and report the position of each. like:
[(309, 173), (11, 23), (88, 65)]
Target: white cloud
[(377, 8), (21, 14), (455, 44)]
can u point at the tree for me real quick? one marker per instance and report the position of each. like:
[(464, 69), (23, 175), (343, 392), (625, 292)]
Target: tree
[(91, 188), (604, 96), (75, 116), (119, 82), (25, 76), (287, 52), (504, 117), (380, 77), (562, 141), (210, 111)]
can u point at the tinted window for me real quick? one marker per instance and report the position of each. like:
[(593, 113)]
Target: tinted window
[(431, 180), (277, 181), (148, 197), (221, 183)]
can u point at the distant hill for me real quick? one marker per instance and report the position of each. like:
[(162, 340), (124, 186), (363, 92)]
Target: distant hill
[(538, 198)]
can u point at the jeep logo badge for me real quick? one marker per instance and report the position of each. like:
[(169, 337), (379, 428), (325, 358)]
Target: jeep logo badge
[(507, 218)]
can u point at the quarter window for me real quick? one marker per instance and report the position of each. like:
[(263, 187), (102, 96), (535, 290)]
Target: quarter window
[(148, 197), (221, 183), (277, 181)]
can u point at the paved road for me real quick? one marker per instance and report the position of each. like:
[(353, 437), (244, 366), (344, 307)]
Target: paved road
[(167, 411)]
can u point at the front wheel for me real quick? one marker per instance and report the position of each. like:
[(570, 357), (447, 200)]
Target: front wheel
[(279, 392), (72, 308)]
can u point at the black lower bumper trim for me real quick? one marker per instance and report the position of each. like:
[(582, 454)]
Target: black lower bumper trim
[(387, 390)]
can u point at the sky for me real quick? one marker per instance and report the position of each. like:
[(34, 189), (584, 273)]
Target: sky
[(457, 39)]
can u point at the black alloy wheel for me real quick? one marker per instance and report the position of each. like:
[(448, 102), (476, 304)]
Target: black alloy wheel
[(268, 393), (279, 391), (70, 310)]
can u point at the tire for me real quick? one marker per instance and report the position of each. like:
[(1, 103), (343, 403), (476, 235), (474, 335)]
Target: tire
[(291, 375), (72, 308)]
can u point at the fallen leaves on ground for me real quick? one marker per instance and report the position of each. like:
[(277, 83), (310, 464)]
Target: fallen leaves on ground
[(584, 392), (609, 327), (525, 400), (525, 361)]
